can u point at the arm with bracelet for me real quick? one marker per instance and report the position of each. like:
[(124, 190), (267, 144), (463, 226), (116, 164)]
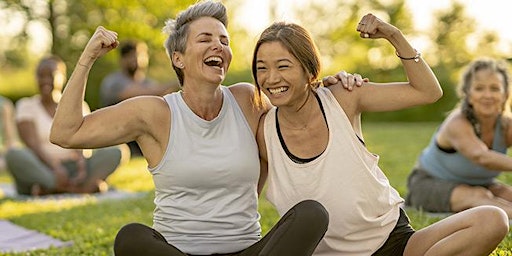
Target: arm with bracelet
[(421, 87), (307, 136), (416, 57)]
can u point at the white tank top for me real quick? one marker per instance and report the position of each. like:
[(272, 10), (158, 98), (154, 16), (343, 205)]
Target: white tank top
[(206, 184), (363, 207)]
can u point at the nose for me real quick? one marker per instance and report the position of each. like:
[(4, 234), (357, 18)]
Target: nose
[(488, 93), (217, 45), (274, 76)]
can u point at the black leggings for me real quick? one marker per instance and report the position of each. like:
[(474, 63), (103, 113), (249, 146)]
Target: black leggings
[(297, 233)]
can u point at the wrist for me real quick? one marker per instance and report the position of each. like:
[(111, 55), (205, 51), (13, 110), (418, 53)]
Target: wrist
[(397, 39), (401, 44), (416, 57), (85, 61)]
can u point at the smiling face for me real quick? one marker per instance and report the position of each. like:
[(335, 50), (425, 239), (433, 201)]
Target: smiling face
[(280, 75), (487, 93), (207, 55), (285, 63)]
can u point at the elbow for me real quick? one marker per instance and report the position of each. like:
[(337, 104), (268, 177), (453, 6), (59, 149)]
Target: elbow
[(433, 96), (57, 139), (436, 95), (481, 159), (439, 92), (427, 94)]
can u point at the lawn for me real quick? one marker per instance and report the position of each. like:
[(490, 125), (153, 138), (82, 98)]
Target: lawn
[(92, 225)]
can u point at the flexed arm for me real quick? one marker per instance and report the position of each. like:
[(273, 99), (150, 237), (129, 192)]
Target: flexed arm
[(422, 86), (69, 118)]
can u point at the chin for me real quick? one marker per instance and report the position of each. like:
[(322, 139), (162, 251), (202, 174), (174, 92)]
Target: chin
[(276, 102), (218, 80)]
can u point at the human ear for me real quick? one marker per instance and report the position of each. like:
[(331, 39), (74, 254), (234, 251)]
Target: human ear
[(177, 60)]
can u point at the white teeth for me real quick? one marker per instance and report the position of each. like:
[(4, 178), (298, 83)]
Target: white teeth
[(277, 90), (214, 58)]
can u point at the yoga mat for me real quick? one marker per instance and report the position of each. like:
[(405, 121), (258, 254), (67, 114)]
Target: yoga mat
[(7, 190), (14, 238)]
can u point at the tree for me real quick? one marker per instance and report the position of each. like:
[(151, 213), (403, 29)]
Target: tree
[(453, 40), (70, 24)]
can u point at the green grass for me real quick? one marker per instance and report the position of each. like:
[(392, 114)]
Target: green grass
[(93, 225)]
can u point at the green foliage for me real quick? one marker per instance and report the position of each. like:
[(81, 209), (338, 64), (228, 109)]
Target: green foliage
[(71, 23), (18, 83), (451, 42)]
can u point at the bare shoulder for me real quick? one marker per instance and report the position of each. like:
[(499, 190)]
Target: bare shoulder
[(456, 120), (340, 92), (451, 120), (145, 108), (348, 100), (152, 113), (153, 123), (145, 102), (244, 94), (337, 90), (242, 89), (455, 126)]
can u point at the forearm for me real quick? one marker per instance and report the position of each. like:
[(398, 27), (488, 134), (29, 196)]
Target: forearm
[(69, 115), (68, 120), (419, 74), (493, 160)]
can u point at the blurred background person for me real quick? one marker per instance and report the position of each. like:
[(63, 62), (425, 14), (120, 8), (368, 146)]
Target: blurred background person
[(8, 136), (458, 169), (42, 167), (131, 80)]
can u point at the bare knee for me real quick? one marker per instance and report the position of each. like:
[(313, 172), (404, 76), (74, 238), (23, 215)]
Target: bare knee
[(464, 197), (491, 221), (477, 192)]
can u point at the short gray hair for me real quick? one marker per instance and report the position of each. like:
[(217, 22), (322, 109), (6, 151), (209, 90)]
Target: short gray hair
[(178, 28)]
